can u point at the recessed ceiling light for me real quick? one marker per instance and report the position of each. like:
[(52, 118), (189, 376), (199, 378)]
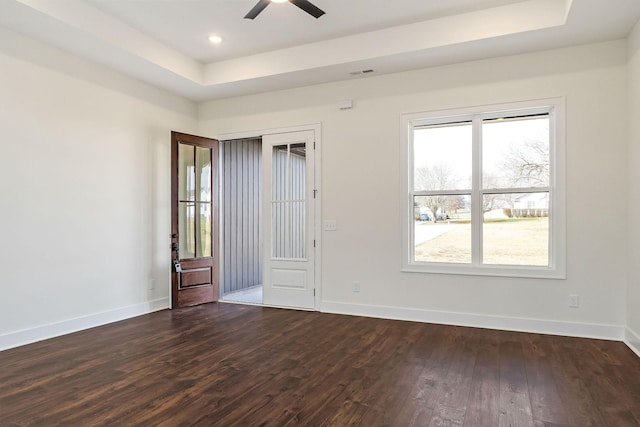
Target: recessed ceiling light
[(279, 1), (215, 39)]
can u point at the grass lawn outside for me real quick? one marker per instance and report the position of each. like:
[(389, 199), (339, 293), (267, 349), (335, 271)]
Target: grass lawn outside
[(513, 241)]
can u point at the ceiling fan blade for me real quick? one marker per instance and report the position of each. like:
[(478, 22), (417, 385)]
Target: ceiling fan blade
[(308, 7), (259, 7)]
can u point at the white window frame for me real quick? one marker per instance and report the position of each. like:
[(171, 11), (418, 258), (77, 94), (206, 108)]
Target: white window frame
[(557, 200)]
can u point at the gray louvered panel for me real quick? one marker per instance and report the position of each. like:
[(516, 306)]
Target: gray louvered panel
[(242, 210)]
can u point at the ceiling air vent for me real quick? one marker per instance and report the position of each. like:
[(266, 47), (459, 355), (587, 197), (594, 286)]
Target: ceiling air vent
[(355, 73)]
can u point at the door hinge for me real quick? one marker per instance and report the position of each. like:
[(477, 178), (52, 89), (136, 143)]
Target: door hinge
[(314, 193), (314, 243), (314, 145), (314, 292)]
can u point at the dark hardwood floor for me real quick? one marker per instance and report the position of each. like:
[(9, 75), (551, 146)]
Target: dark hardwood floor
[(226, 365)]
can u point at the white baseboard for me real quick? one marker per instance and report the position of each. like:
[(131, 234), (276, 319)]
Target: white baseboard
[(571, 329), (39, 333), (583, 330), (632, 340)]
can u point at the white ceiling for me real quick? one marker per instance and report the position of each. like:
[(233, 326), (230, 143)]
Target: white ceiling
[(185, 26), (165, 42)]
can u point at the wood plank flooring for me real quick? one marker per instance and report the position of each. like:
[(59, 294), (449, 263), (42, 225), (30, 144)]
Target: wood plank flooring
[(234, 365)]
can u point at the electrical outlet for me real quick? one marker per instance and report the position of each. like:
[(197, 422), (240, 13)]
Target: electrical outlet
[(574, 301), (355, 286), (152, 284)]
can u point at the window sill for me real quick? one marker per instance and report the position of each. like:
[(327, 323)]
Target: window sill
[(495, 271)]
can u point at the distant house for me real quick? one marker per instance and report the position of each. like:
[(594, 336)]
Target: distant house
[(529, 205), (532, 201)]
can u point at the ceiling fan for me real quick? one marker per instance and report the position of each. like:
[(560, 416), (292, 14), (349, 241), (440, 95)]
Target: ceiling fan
[(305, 5)]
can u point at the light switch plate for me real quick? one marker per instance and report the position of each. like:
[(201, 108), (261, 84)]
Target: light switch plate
[(329, 225)]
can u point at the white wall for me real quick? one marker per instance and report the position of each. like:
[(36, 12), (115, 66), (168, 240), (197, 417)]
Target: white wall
[(84, 191), (633, 297), (361, 187)]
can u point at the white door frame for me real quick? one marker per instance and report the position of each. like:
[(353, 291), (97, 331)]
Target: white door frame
[(317, 228)]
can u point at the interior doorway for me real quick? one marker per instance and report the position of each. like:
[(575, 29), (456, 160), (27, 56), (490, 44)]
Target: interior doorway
[(241, 220), (268, 216)]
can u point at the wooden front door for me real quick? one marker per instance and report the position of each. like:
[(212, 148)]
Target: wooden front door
[(194, 220)]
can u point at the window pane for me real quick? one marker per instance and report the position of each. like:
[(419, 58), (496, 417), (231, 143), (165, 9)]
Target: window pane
[(186, 172), (203, 174), (186, 226), (442, 231), (516, 229), (203, 230), (442, 157), (515, 152)]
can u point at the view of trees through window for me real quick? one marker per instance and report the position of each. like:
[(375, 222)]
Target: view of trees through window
[(482, 183)]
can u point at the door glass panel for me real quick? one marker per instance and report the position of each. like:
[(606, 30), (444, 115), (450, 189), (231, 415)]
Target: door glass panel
[(186, 226), (279, 172), (195, 195), (186, 172), (298, 171), (297, 227), (278, 230), (203, 174), (203, 230), (288, 201), (515, 229)]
